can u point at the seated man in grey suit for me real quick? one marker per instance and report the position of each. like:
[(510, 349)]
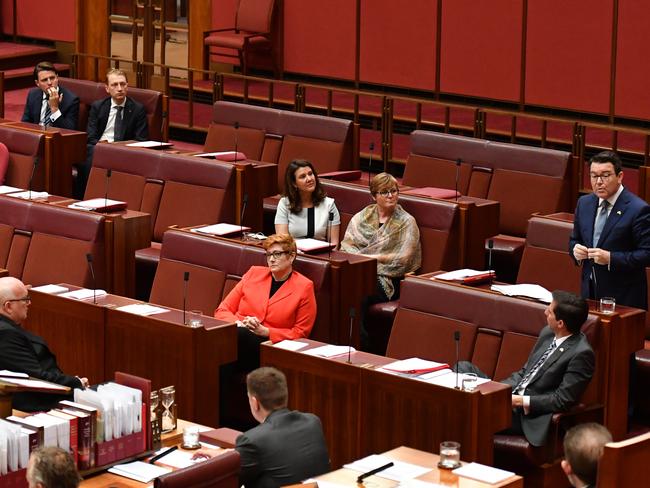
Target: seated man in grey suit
[(583, 447), (287, 447), (556, 373)]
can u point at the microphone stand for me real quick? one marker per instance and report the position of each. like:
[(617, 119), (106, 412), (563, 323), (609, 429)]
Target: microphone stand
[(31, 178), (457, 340), (372, 148), (89, 258), (186, 279), (490, 247), (236, 126), (109, 171), (241, 215), (458, 162), (329, 235), (352, 314)]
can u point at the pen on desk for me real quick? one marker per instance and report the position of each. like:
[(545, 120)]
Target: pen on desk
[(162, 454), (374, 471)]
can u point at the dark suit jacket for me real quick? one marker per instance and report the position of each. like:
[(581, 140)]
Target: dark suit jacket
[(559, 383), (627, 236), (134, 118), (22, 351), (69, 108), (286, 448)]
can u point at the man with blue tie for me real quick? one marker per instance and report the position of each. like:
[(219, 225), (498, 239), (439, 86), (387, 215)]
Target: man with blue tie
[(50, 105), (611, 236)]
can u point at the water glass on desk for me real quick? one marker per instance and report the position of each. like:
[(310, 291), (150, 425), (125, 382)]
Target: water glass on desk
[(607, 304), (449, 455), (195, 318)]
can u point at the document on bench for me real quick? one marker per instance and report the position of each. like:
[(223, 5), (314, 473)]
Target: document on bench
[(329, 351), (35, 384), (447, 378), (27, 195), (83, 294), (398, 472), (481, 472), (458, 274), (51, 289), (413, 366), (524, 290), (139, 471), (12, 374), (220, 229), (142, 309), (150, 144), (178, 459), (4, 189), (290, 345)]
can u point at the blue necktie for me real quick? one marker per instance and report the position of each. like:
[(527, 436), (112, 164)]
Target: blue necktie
[(599, 224)]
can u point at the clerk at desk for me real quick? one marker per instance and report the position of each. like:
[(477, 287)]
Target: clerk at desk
[(24, 352)]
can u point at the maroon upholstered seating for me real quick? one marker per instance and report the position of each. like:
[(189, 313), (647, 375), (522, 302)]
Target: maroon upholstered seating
[(218, 472), (525, 180), (24, 148), (279, 136), (155, 104), (43, 244)]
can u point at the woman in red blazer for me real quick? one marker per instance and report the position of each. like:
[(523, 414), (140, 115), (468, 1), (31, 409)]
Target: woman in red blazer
[(275, 302)]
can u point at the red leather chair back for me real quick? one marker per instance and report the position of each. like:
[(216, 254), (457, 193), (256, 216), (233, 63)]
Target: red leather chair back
[(255, 15), (218, 472)]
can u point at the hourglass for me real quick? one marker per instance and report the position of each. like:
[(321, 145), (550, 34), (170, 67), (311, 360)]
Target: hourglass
[(168, 416)]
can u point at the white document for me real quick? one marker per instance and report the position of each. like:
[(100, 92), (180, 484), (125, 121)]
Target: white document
[(448, 380), (177, 459), (420, 484), (51, 289), (306, 245), (83, 294), (215, 154), (398, 472), (290, 345), (329, 351), (25, 195), (13, 374), (413, 365), (34, 383), (150, 144), (96, 203), (4, 189), (458, 274), (220, 229), (62, 427), (142, 309), (139, 471), (529, 291), (481, 472), (325, 484)]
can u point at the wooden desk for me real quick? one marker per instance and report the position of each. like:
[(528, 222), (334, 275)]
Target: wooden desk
[(365, 411), (421, 458), (95, 340)]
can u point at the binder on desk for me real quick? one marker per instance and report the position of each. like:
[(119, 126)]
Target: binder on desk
[(414, 366)]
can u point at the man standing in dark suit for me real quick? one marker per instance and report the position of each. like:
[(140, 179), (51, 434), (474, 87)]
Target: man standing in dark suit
[(114, 118), (50, 105), (24, 352), (583, 447), (611, 236), (287, 447), (557, 372)]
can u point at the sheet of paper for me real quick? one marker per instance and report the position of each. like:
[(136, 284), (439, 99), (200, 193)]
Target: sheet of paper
[(34, 383), (150, 144), (96, 203), (13, 374), (215, 154), (449, 380), (481, 472), (525, 290), (306, 245), (420, 484), (220, 229), (325, 484), (51, 289), (139, 471), (142, 309), (329, 351), (290, 345), (414, 365), (4, 189), (400, 471), (458, 274), (177, 459), (83, 294), (25, 195)]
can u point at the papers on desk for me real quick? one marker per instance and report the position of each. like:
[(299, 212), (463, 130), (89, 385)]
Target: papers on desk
[(12, 374), (105, 204), (458, 274), (139, 471), (51, 289), (329, 351), (34, 384), (290, 345), (528, 291), (142, 309), (447, 378), (4, 189), (481, 472), (220, 229), (413, 366), (312, 245), (150, 144), (420, 484), (27, 195), (178, 459), (83, 294), (398, 472)]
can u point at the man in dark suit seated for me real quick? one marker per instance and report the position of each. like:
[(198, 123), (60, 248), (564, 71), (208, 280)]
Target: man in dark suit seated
[(24, 352), (50, 105), (114, 118), (556, 373), (583, 447), (287, 447)]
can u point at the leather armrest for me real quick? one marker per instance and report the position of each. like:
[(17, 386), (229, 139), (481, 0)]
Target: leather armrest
[(4, 272), (578, 414)]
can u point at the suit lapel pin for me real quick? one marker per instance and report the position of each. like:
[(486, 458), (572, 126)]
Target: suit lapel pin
[(561, 349), (618, 212)]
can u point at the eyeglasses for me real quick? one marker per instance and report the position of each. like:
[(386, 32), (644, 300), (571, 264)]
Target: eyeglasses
[(23, 299), (276, 254), (602, 177), (391, 192)]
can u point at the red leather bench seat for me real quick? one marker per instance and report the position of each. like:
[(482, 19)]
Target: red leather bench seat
[(24, 147)]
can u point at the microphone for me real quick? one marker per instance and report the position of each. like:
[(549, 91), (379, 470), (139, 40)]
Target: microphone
[(236, 126), (89, 258), (352, 313), (241, 215), (31, 178), (490, 247), (372, 148), (109, 172), (329, 235), (458, 162), (186, 279), (457, 340)]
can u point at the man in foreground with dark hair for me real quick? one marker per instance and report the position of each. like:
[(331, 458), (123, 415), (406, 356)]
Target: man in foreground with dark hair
[(51, 467), (583, 447), (50, 105), (557, 372), (287, 447)]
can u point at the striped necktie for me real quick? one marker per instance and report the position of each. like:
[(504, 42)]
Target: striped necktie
[(47, 121), (540, 362), (599, 223)]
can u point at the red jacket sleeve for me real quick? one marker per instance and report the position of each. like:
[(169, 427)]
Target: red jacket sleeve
[(229, 307)]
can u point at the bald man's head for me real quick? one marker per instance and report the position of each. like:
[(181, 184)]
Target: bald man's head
[(14, 299)]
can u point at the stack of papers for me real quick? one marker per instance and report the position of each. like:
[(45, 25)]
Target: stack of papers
[(458, 274), (51, 289), (481, 472), (290, 345), (414, 366), (447, 378), (34, 384), (4, 189), (528, 291), (310, 245), (150, 144), (139, 471), (99, 204), (27, 195), (398, 472), (142, 309), (329, 351), (83, 294), (220, 229), (12, 374)]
